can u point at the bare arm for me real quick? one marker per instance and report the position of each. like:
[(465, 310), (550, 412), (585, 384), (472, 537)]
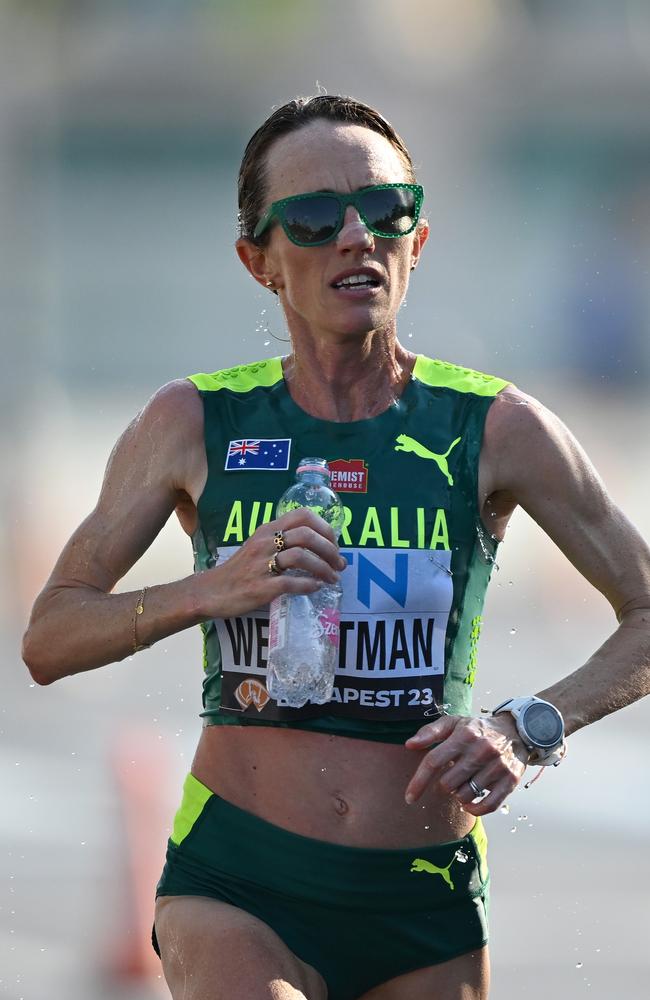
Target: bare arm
[(76, 623), (567, 498), (530, 458), (158, 465)]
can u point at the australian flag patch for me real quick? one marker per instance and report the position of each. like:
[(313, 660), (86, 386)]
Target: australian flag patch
[(270, 454)]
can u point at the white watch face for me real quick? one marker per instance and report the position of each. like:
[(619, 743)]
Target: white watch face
[(543, 724)]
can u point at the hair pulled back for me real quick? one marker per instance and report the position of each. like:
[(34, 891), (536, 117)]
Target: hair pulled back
[(252, 182)]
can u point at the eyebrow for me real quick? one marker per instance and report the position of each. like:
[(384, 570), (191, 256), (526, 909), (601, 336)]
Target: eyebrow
[(363, 187)]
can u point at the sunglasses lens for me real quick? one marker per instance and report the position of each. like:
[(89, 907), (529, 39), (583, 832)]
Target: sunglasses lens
[(389, 211), (311, 220)]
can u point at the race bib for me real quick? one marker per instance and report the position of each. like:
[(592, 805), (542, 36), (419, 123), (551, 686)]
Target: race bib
[(394, 614)]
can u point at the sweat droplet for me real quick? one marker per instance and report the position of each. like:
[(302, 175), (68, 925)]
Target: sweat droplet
[(513, 631), (505, 808), (578, 965), (513, 829)]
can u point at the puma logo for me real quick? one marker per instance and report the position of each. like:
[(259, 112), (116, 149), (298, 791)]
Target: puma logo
[(406, 443), (420, 865)]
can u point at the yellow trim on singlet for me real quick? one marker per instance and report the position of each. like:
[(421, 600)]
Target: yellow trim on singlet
[(430, 371), (241, 378), (442, 373), (195, 795)]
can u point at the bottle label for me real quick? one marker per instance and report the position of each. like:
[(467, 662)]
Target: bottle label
[(278, 622), (329, 620)]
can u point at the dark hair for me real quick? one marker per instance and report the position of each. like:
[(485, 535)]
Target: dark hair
[(252, 183)]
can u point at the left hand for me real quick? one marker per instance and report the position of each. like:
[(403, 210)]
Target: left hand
[(489, 751)]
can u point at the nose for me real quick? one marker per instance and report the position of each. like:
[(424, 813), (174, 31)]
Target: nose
[(354, 234)]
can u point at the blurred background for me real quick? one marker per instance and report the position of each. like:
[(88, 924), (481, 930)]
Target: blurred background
[(122, 123)]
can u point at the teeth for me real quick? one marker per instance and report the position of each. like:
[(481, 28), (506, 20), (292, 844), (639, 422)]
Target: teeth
[(355, 279)]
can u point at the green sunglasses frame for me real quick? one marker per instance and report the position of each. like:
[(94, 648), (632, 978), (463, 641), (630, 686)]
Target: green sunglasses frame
[(277, 207)]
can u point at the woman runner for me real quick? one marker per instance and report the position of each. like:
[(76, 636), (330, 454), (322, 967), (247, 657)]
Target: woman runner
[(337, 851)]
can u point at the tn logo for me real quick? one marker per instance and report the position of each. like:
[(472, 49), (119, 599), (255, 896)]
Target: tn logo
[(405, 443)]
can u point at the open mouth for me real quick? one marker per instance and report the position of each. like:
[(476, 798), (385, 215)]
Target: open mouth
[(356, 282)]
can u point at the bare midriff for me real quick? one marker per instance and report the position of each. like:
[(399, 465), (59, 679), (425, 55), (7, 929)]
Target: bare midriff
[(333, 788)]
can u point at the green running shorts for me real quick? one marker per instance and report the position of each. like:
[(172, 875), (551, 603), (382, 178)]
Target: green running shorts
[(360, 916)]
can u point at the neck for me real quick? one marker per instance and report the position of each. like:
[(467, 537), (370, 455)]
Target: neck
[(354, 379)]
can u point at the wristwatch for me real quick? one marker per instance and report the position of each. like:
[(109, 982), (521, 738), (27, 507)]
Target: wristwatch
[(540, 726)]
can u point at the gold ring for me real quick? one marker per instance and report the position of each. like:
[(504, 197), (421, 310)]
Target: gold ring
[(274, 569), (279, 542)]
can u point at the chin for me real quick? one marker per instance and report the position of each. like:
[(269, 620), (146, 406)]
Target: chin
[(365, 321)]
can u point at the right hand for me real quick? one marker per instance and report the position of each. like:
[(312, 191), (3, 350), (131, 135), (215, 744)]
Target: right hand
[(243, 582)]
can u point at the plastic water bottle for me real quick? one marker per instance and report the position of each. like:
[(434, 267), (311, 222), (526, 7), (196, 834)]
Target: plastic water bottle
[(304, 628)]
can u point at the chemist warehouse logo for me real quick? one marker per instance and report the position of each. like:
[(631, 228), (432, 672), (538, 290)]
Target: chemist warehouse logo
[(349, 475)]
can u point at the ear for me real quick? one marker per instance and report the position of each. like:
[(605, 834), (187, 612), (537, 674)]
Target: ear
[(255, 260), (420, 238)]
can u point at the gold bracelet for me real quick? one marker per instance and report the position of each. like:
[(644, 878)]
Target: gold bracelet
[(139, 608)]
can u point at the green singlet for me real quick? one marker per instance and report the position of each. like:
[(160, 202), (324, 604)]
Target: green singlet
[(419, 557)]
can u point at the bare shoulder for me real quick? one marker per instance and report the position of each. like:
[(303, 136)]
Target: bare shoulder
[(166, 437), (174, 409), (524, 441), (514, 412), (155, 467)]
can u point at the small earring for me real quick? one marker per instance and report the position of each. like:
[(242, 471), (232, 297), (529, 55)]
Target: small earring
[(269, 284)]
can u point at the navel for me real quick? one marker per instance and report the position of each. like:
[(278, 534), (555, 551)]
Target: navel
[(340, 805)]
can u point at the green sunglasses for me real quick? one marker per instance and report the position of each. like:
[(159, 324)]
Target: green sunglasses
[(309, 220)]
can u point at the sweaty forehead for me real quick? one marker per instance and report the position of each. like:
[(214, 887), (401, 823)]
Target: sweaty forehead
[(330, 156)]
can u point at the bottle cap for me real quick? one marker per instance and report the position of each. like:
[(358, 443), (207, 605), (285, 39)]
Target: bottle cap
[(312, 467)]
